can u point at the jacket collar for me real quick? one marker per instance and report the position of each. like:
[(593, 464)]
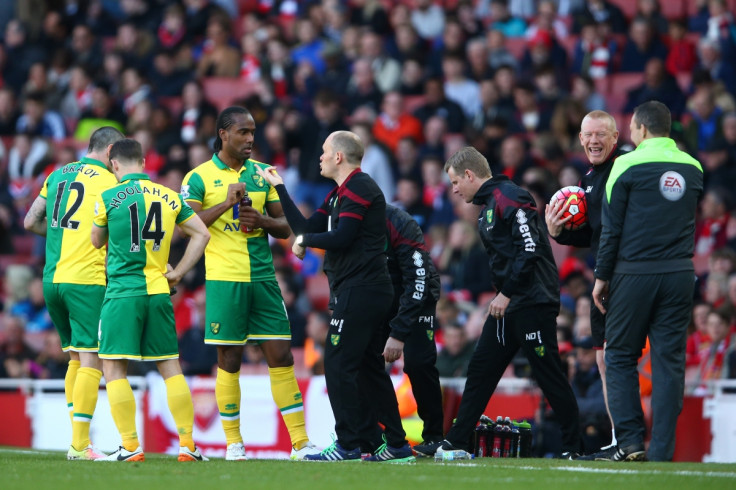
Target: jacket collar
[(486, 189)]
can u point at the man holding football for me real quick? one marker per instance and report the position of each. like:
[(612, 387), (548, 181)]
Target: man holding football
[(599, 138)]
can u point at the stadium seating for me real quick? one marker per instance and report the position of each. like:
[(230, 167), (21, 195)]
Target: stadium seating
[(516, 46), (172, 104), (670, 9), (413, 102), (318, 291), (620, 84), (691, 6), (224, 91)]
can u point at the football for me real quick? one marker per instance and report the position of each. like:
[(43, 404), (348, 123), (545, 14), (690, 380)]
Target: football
[(574, 196)]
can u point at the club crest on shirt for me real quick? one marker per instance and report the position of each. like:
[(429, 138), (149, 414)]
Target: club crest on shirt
[(335, 339), (489, 215), (430, 334), (215, 328), (258, 180), (539, 350)]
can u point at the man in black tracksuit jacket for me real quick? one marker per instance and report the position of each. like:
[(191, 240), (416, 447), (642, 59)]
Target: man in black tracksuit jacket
[(411, 322), (523, 313), (644, 270), (351, 227), (599, 137)]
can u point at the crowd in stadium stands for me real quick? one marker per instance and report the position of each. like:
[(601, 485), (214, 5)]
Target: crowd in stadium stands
[(417, 80)]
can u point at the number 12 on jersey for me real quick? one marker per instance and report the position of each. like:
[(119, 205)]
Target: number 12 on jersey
[(153, 220), (66, 220)]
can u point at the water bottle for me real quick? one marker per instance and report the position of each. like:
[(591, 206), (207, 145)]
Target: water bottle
[(506, 452), (246, 201), (454, 455), (515, 437), (481, 436), (525, 440), (497, 438)]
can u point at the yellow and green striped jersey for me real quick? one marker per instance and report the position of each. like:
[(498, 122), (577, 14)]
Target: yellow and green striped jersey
[(140, 216), (231, 254), (71, 192)]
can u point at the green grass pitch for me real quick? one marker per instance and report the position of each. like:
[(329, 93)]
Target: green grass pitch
[(28, 469)]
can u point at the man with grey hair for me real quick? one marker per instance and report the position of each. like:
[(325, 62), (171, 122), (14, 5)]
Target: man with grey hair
[(351, 227), (599, 139), (523, 313)]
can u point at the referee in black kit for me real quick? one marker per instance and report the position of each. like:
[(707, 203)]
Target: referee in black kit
[(523, 314), (645, 279), (351, 226)]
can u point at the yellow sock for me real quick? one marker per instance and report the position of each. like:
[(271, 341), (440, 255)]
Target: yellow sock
[(86, 389), (122, 407), (227, 393), (69, 379), (182, 409), (288, 398)]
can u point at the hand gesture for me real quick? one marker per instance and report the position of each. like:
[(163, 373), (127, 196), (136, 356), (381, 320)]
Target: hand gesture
[(235, 193), (249, 218), (393, 350), (497, 308), (553, 216), (270, 175), (600, 294), (172, 276), (299, 251)]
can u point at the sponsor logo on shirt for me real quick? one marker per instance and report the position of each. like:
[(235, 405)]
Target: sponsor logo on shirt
[(672, 186), (529, 244)]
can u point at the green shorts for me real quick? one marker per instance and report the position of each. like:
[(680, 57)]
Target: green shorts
[(75, 311), (238, 312), (140, 328)]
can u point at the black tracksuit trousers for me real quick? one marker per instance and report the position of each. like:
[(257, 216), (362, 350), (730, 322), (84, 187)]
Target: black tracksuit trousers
[(354, 366), (534, 330)]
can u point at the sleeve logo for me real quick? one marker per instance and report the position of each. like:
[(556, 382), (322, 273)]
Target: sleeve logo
[(184, 191)]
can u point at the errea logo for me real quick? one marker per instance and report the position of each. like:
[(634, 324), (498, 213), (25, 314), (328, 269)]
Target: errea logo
[(672, 186)]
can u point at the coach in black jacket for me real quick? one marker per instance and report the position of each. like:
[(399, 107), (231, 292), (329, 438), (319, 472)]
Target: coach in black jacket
[(412, 321), (599, 138), (350, 226), (523, 313)]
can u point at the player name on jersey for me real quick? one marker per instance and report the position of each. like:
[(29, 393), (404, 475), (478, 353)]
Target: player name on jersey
[(84, 169), (131, 191)]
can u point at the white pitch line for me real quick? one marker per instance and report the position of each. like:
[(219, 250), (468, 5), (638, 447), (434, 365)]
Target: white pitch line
[(27, 451), (623, 471), (582, 469)]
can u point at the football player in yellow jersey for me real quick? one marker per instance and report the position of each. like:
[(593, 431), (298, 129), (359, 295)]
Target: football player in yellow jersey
[(244, 301), (74, 275), (137, 318)]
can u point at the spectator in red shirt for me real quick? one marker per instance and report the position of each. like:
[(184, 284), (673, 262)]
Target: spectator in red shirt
[(698, 341), (682, 56), (393, 123)]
